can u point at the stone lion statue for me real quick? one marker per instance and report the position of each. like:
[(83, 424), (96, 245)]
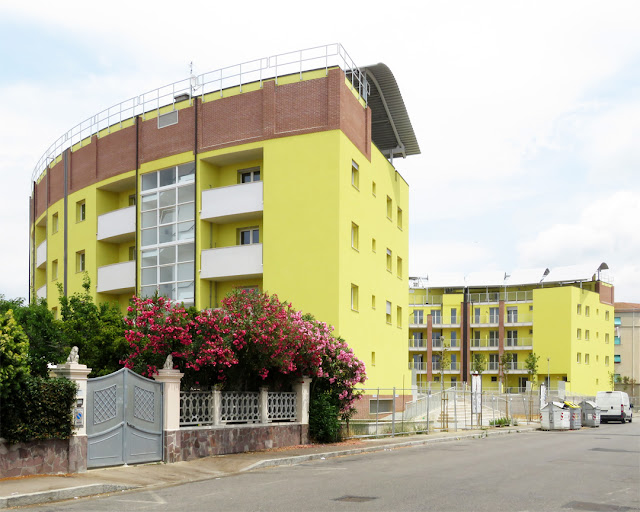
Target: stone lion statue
[(168, 363), (73, 355)]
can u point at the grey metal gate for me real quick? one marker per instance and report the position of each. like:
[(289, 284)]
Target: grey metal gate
[(124, 419)]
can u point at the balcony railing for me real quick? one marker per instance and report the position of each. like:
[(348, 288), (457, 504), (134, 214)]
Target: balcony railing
[(117, 278), (485, 343), (423, 300), (518, 342), (41, 254), (485, 319), (117, 226), (519, 318), (234, 203), (226, 263), (218, 81), (495, 297), (418, 365), (417, 344)]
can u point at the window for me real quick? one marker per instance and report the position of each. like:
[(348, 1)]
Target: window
[(81, 211), (389, 260), (355, 175), (373, 358), (167, 248), (355, 236), (80, 261), (616, 358), (606, 360), (54, 223), (379, 405), (399, 218), (373, 302), (399, 266), (579, 309), (476, 315), (494, 338), (354, 297), (616, 340), (586, 335), (512, 338), (454, 339), (436, 317), (373, 245), (579, 334), (494, 315), (249, 236), (373, 188), (132, 200), (586, 311), (418, 316), (586, 359), (249, 175), (579, 357), (606, 337), (388, 312), (132, 253), (54, 270), (606, 316), (454, 316), (512, 315), (398, 316), (389, 208)]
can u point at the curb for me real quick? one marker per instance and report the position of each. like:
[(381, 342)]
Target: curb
[(291, 461), (81, 491)]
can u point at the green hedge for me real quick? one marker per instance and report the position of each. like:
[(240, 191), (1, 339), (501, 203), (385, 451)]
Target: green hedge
[(324, 422), (39, 409)]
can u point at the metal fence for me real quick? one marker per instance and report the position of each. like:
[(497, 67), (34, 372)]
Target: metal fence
[(396, 411)]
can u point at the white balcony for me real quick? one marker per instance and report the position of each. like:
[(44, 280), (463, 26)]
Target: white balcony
[(117, 226), (41, 255), (234, 203), (41, 292), (117, 278), (227, 263)]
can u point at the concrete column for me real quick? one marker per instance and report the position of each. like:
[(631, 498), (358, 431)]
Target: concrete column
[(302, 391), (217, 406), (264, 405), (78, 442)]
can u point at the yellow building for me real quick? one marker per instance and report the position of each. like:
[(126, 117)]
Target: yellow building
[(276, 174), (491, 322)]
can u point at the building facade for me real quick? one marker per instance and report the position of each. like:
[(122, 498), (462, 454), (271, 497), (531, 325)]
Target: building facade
[(492, 322), (276, 175), (627, 342)]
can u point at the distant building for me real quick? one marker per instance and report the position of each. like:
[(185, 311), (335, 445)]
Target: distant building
[(276, 174), (627, 342), (564, 315)]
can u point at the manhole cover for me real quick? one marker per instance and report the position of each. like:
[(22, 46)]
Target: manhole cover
[(595, 507), (356, 499)]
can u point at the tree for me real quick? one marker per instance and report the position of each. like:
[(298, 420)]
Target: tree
[(505, 365), (14, 354), (531, 364), (478, 363), (97, 330)]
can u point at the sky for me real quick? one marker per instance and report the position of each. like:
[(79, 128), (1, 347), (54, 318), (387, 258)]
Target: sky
[(527, 113)]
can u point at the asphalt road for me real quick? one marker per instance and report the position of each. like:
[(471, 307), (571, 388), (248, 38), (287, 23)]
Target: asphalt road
[(588, 470)]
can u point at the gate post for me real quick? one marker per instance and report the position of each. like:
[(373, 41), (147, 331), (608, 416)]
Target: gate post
[(301, 388), (78, 441), (171, 413)]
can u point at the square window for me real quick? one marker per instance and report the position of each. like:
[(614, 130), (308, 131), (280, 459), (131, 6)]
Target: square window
[(389, 259), (81, 211), (586, 334), (354, 297), (606, 315), (373, 245), (389, 208), (355, 175), (132, 200), (249, 175), (398, 316), (579, 309), (617, 358), (373, 302), (399, 266), (373, 358), (355, 235), (80, 261), (606, 360), (388, 312), (586, 311), (399, 218), (579, 334), (579, 357), (249, 236), (54, 270), (373, 188), (586, 359)]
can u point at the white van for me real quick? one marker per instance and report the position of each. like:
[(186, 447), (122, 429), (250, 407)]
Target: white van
[(614, 406)]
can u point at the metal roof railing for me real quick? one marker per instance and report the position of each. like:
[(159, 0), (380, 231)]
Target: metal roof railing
[(255, 71)]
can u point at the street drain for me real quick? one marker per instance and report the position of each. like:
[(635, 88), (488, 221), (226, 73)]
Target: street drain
[(356, 499), (595, 507)]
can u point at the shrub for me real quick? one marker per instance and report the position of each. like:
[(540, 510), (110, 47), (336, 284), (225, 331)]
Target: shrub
[(39, 409), (324, 425), (14, 353)]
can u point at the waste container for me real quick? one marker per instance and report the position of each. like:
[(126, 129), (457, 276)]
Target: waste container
[(553, 416), (575, 416), (590, 413)]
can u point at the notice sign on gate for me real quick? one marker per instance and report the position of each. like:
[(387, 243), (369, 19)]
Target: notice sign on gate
[(476, 393)]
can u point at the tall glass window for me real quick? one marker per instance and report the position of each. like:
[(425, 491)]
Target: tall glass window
[(167, 235)]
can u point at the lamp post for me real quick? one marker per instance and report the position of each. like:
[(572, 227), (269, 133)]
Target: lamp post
[(548, 373)]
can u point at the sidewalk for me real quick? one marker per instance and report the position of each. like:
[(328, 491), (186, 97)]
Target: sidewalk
[(46, 489)]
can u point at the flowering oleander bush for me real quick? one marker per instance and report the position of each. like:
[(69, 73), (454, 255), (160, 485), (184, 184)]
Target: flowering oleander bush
[(253, 340)]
